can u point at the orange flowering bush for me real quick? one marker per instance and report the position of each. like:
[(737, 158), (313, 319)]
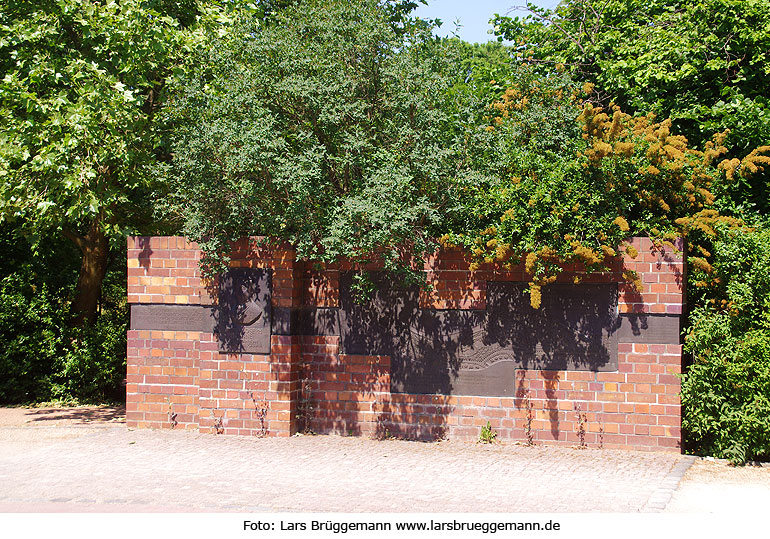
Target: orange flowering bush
[(568, 181)]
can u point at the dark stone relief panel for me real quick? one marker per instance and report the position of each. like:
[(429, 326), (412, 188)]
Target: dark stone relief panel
[(243, 316), (475, 352), (165, 317)]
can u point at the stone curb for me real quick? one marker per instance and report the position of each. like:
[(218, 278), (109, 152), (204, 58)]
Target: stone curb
[(662, 495)]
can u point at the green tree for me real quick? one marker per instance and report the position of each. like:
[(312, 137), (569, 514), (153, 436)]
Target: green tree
[(705, 64), (80, 85), (323, 128), (550, 178)]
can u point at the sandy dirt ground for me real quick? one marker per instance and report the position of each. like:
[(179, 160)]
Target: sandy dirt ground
[(714, 486)]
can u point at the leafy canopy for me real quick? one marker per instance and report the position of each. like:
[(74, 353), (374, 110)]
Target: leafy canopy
[(704, 63), (79, 84), (322, 127)]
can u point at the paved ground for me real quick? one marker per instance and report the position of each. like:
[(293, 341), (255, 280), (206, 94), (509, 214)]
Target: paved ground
[(87, 460), (714, 486)]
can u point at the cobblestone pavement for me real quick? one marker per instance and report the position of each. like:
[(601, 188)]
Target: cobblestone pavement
[(100, 465)]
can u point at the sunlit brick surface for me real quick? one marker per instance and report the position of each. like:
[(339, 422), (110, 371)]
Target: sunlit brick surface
[(178, 379)]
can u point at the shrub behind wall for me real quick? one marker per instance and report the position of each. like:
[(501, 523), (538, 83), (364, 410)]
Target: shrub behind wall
[(42, 357)]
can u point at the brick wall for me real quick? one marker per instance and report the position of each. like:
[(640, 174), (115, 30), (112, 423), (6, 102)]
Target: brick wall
[(163, 378), (179, 379)]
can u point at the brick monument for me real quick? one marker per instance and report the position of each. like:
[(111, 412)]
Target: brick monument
[(277, 346)]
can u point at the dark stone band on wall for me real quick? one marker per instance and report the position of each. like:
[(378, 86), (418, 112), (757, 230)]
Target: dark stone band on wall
[(325, 321), (166, 317), (451, 352), (241, 321), (320, 321), (650, 328), (638, 328)]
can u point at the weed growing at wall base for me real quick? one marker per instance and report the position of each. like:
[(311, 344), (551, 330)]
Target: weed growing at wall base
[(487, 435)]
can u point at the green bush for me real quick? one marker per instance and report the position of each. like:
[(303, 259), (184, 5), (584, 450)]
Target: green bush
[(42, 357), (324, 128), (31, 344), (726, 391), (94, 366)]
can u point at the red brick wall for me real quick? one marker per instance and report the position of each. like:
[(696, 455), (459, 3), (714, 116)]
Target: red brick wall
[(162, 380), (182, 372), (179, 379)]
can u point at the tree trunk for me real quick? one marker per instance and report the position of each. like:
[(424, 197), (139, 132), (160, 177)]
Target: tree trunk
[(95, 249)]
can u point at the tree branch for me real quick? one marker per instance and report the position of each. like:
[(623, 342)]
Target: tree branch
[(74, 237)]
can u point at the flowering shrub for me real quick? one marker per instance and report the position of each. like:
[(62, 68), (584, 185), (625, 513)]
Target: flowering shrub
[(569, 181)]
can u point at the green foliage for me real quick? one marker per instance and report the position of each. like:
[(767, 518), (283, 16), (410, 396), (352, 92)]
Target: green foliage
[(81, 87), (79, 84), (488, 434), (93, 368), (726, 391), (703, 63), (482, 71), (30, 340), (43, 358), (563, 181), (323, 129)]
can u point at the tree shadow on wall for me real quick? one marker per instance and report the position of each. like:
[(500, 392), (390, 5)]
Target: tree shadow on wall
[(391, 323), (146, 252), (340, 395), (435, 353), (672, 257), (574, 328), (243, 311)]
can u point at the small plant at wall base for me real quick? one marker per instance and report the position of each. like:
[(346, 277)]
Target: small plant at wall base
[(580, 415), (219, 427), (172, 415), (305, 406), (488, 435), (601, 437), (530, 417), (261, 407), (383, 433)]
